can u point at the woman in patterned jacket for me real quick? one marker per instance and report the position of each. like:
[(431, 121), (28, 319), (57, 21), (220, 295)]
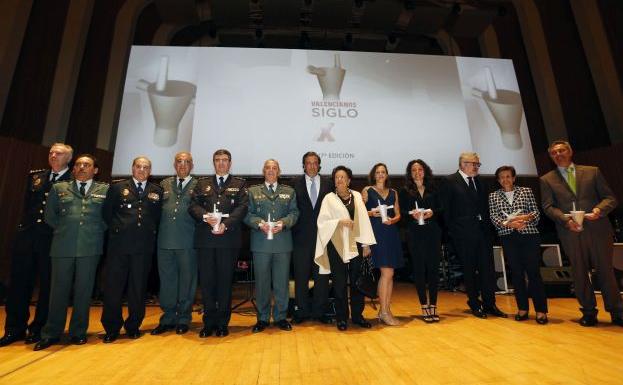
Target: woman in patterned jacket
[(515, 215)]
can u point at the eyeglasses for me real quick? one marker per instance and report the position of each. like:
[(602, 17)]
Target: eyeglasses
[(475, 164)]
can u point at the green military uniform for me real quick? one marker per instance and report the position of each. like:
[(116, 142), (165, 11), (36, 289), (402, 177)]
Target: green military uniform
[(77, 245), (271, 258), (177, 259)]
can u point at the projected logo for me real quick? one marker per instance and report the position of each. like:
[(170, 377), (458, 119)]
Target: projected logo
[(330, 80), (169, 100), (504, 105)]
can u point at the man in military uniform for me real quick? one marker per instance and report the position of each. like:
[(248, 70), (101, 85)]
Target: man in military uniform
[(218, 244), (272, 209), (31, 252), (74, 211), (132, 212), (177, 258)]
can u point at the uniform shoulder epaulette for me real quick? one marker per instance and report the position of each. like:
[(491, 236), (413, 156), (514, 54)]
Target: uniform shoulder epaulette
[(259, 185), (117, 181), (239, 178), (167, 179), (37, 171), (200, 178)]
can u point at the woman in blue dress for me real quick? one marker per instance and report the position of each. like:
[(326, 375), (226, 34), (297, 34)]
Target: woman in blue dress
[(387, 253)]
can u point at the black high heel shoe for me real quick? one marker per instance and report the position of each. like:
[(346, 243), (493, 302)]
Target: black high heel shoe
[(521, 317), (542, 320)]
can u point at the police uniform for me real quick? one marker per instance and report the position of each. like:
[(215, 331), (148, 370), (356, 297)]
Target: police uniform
[(271, 258), (31, 258), (217, 254), (132, 220), (177, 259), (77, 245)]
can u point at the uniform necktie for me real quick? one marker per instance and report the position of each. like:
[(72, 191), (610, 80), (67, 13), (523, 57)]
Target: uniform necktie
[(471, 183), (270, 188), (313, 192), (571, 179), (54, 176), (139, 188), (221, 182), (179, 185), (82, 188)]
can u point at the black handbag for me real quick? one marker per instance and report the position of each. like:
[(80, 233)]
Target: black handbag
[(367, 282)]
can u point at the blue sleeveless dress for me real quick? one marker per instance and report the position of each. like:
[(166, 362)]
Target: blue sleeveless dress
[(388, 249)]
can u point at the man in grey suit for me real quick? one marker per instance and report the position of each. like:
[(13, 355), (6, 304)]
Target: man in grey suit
[(589, 245), (272, 213), (74, 211), (177, 258)]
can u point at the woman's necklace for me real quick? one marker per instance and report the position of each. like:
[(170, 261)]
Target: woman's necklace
[(350, 197)]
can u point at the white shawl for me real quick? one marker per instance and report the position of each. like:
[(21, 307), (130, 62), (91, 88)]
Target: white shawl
[(331, 211)]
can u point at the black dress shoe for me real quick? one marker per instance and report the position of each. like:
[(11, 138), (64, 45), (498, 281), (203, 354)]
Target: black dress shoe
[(45, 343), (479, 313), (542, 320), (260, 326), (9, 338), (284, 325), (222, 331), (342, 325), (181, 329), (79, 340), (363, 323), (206, 332), (496, 312), (110, 337), (521, 317), (160, 329), (134, 334), (32, 338), (588, 320)]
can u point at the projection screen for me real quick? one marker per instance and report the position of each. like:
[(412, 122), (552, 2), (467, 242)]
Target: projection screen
[(353, 108)]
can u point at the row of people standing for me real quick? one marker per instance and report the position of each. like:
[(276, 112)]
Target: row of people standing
[(136, 211)]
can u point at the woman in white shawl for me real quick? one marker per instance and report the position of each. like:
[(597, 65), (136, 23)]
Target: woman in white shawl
[(343, 225)]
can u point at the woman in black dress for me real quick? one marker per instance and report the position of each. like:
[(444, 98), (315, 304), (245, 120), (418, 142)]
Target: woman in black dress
[(423, 233)]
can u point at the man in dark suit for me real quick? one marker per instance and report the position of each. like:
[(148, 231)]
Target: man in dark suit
[(31, 252), (177, 258), (218, 244), (310, 189), (466, 214), (74, 211), (132, 212), (589, 244)]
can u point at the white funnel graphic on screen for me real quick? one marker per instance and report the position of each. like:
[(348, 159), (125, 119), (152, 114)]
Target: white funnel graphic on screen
[(504, 105), (169, 100), (330, 78)]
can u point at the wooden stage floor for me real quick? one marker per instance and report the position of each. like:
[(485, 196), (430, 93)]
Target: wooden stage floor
[(461, 349)]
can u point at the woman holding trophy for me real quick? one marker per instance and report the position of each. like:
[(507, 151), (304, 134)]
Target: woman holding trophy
[(343, 240), (420, 205), (515, 215), (384, 211)]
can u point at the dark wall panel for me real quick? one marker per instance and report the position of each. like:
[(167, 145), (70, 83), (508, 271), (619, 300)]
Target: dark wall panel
[(87, 105), (612, 16), (28, 100), (147, 25), (584, 119)]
